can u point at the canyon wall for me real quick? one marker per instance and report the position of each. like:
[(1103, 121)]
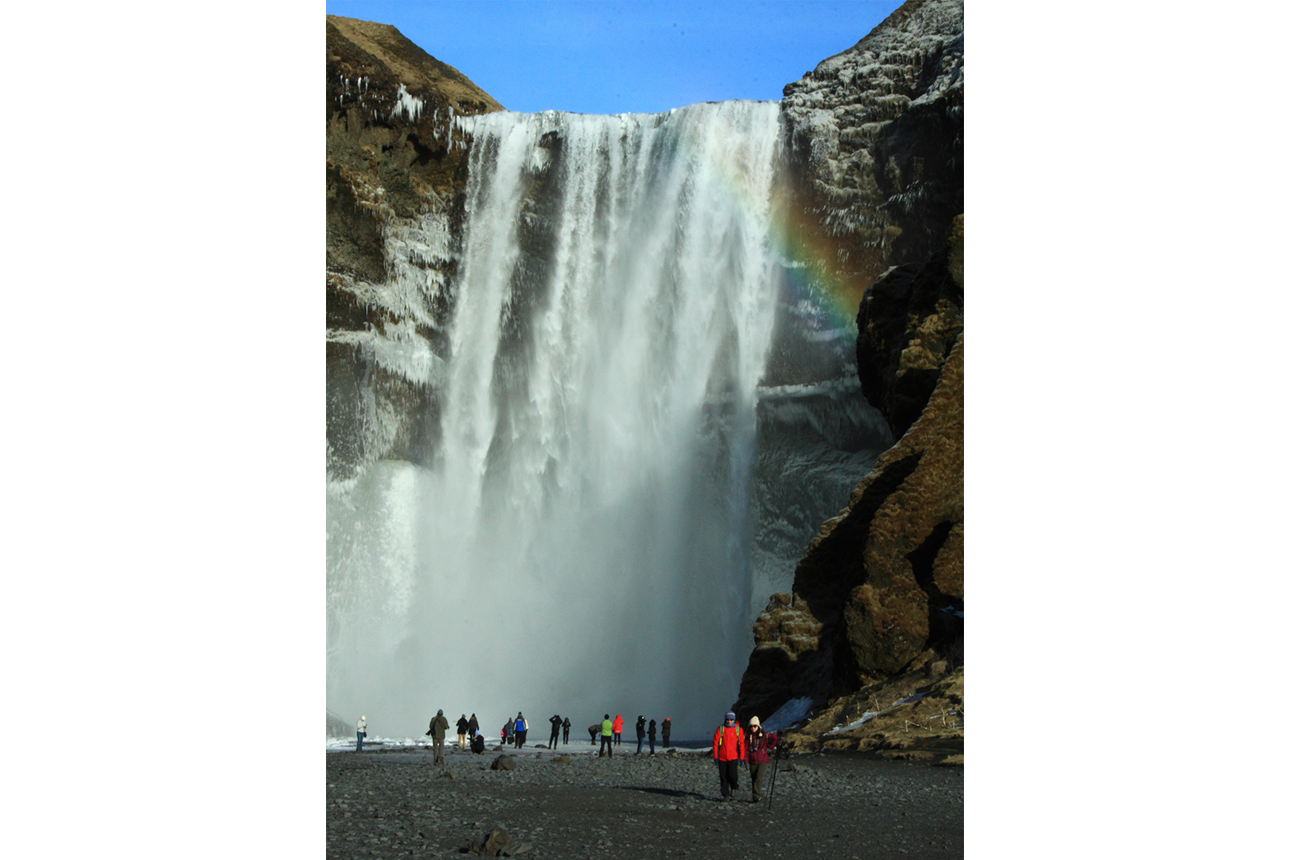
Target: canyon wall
[(396, 173), (877, 176)]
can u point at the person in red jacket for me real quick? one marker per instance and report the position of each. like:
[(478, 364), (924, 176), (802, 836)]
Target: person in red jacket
[(618, 730), (759, 746), (727, 751)]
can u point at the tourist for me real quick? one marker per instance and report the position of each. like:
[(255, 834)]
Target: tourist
[(618, 730), (652, 728), (606, 736), (477, 742), (567, 726), (521, 730), (727, 752), (472, 727), (640, 733), (556, 725), (438, 731), (462, 725), (759, 746), (508, 732), (594, 731), (667, 733), (362, 732)]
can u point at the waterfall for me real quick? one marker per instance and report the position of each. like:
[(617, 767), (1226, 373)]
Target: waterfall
[(581, 540)]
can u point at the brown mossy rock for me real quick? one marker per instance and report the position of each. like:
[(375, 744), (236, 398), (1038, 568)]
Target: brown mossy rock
[(384, 162), (504, 762), (919, 710), (908, 321), (881, 583)]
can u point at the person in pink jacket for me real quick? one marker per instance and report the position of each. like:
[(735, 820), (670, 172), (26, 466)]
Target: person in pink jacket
[(759, 746)]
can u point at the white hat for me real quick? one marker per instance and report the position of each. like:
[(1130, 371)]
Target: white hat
[(754, 722)]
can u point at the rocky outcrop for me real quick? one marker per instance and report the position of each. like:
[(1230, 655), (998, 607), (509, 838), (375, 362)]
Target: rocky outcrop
[(876, 610), (395, 176), (880, 589), (908, 322), (875, 146)]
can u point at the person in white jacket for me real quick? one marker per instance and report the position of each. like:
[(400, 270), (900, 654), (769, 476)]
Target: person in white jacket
[(362, 732)]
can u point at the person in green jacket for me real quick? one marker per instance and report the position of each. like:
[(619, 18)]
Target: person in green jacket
[(607, 736), (438, 730)]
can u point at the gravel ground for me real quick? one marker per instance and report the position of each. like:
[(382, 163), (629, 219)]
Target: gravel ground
[(396, 803)]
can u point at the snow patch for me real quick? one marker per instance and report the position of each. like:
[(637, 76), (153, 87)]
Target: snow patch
[(791, 713)]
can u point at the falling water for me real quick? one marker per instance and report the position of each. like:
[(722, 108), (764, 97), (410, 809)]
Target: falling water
[(581, 541)]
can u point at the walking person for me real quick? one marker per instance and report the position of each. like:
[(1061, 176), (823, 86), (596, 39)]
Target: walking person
[(438, 731), (652, 729), (727, 752), (462, 725), (362, 732), (640, 733), (618, 730), (667, 733), (759, 746), (567, 726), (556, 725), (508, 732), (521, 730), (607, 736), (472, 727)]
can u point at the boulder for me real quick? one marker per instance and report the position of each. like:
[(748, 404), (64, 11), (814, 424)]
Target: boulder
[(494, 843), (504, 762)]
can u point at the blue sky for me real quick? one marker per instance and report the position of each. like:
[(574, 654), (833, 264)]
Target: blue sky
[(599, 56)]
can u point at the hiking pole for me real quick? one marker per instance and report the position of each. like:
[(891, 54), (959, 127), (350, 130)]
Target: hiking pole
[(774, 770)]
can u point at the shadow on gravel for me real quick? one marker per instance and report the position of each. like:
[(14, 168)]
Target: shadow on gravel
[(667, 792)]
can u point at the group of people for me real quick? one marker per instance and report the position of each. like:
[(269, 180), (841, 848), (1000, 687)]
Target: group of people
[(516, 731), (731, 746), (610, 733)]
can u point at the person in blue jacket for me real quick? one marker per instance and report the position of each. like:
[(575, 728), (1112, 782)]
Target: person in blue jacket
[(521, 730)]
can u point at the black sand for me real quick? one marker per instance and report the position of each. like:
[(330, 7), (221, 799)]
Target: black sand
[(396, 803)]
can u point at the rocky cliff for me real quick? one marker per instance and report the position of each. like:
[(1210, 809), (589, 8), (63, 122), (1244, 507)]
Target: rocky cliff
[(395, 175), (875, 146), (874, 624)]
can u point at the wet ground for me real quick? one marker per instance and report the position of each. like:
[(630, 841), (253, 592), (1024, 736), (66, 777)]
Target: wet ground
[(396, 803)]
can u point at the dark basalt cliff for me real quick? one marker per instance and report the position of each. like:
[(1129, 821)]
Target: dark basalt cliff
[(876, 612), (396, 170), (875, 146)]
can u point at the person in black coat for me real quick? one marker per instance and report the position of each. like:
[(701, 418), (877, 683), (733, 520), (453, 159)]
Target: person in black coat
[(640, 734), (472, 727), (556, 725), (667, 732), (462, 725), (477, 743), (652, 728), (567, 726)]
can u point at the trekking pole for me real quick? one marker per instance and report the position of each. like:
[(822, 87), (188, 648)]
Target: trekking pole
[(774, 770)]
